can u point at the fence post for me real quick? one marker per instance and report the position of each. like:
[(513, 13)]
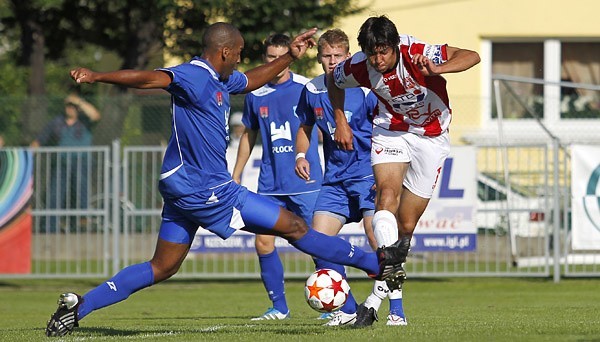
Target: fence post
[(116, 201), (556, 216)]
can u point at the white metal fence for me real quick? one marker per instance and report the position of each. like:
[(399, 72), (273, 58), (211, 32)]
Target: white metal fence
[(71, 222), (110, 215)]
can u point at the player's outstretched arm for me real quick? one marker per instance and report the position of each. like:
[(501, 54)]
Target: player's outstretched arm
[(259, 76), (128, 78)]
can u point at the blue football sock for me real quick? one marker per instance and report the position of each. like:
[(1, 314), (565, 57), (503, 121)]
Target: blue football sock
[(336, 250), (396, 307), (271, 273), (118, 288), (350, 305)]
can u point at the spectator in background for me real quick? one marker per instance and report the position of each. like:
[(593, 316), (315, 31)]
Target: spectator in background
[(69, 172)]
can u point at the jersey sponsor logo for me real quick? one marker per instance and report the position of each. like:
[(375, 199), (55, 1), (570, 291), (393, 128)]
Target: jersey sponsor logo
[(283, 132), (331, 130), (389, 78), (319, 113), (282, 149), (264, 112), (330, 127), (392, 151), (378, 150), (348, 115), (408, 99), (219, 96)]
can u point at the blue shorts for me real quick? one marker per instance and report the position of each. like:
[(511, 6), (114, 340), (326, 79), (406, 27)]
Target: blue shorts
[(349, 198), (302, 205), (221, 210)]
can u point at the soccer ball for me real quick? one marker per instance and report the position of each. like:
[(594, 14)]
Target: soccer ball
[(326, 290)]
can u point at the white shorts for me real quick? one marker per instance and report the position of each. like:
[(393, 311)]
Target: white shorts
[(426, 156)]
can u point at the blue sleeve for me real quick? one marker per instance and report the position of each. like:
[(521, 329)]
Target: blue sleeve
[(249, 118), (237, 82), (371, 102), (187, 80), (304, 110)]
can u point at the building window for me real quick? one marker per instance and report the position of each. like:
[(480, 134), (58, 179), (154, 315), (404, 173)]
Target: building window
[(580, 63), (524, 60)]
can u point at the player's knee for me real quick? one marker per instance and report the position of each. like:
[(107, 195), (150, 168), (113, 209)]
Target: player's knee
[(298, 228), (264, 246), (407, 226), (163, 272), (388, 199)]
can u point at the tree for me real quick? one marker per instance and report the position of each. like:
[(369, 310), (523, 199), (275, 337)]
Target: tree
[(256, 19), (32, 19), (140, 31)]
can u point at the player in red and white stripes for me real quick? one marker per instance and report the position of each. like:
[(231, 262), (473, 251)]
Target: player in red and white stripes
[(410, 132)]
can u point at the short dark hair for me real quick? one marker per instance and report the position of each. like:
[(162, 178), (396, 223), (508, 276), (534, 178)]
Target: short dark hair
[(377, 32), (277, 39), (219, 35)]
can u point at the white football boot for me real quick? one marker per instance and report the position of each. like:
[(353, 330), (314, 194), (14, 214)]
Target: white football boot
[(341, 318)]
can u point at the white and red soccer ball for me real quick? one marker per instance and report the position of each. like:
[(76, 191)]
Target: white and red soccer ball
[(326, 290)]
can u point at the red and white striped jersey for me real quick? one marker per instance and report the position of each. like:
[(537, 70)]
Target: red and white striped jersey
[(408, 101)]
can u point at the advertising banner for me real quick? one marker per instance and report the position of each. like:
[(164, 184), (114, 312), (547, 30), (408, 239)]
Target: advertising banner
[(585, 191), (448, 224)]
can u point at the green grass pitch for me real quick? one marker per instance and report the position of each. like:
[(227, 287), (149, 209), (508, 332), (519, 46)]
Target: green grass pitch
[(464, 309)]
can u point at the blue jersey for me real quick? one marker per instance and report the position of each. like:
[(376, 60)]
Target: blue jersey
[(314, 108), (195, 156), (271, 109)]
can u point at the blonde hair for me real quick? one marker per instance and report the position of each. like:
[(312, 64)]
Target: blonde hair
[(333, 37)]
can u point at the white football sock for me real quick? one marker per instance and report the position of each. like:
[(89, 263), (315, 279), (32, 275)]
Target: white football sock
[(385, 228), (380, 291), (396, 294)]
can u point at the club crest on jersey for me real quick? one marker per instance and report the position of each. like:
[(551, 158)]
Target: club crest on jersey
[(219, 97), (264, 112), (319, 113)]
